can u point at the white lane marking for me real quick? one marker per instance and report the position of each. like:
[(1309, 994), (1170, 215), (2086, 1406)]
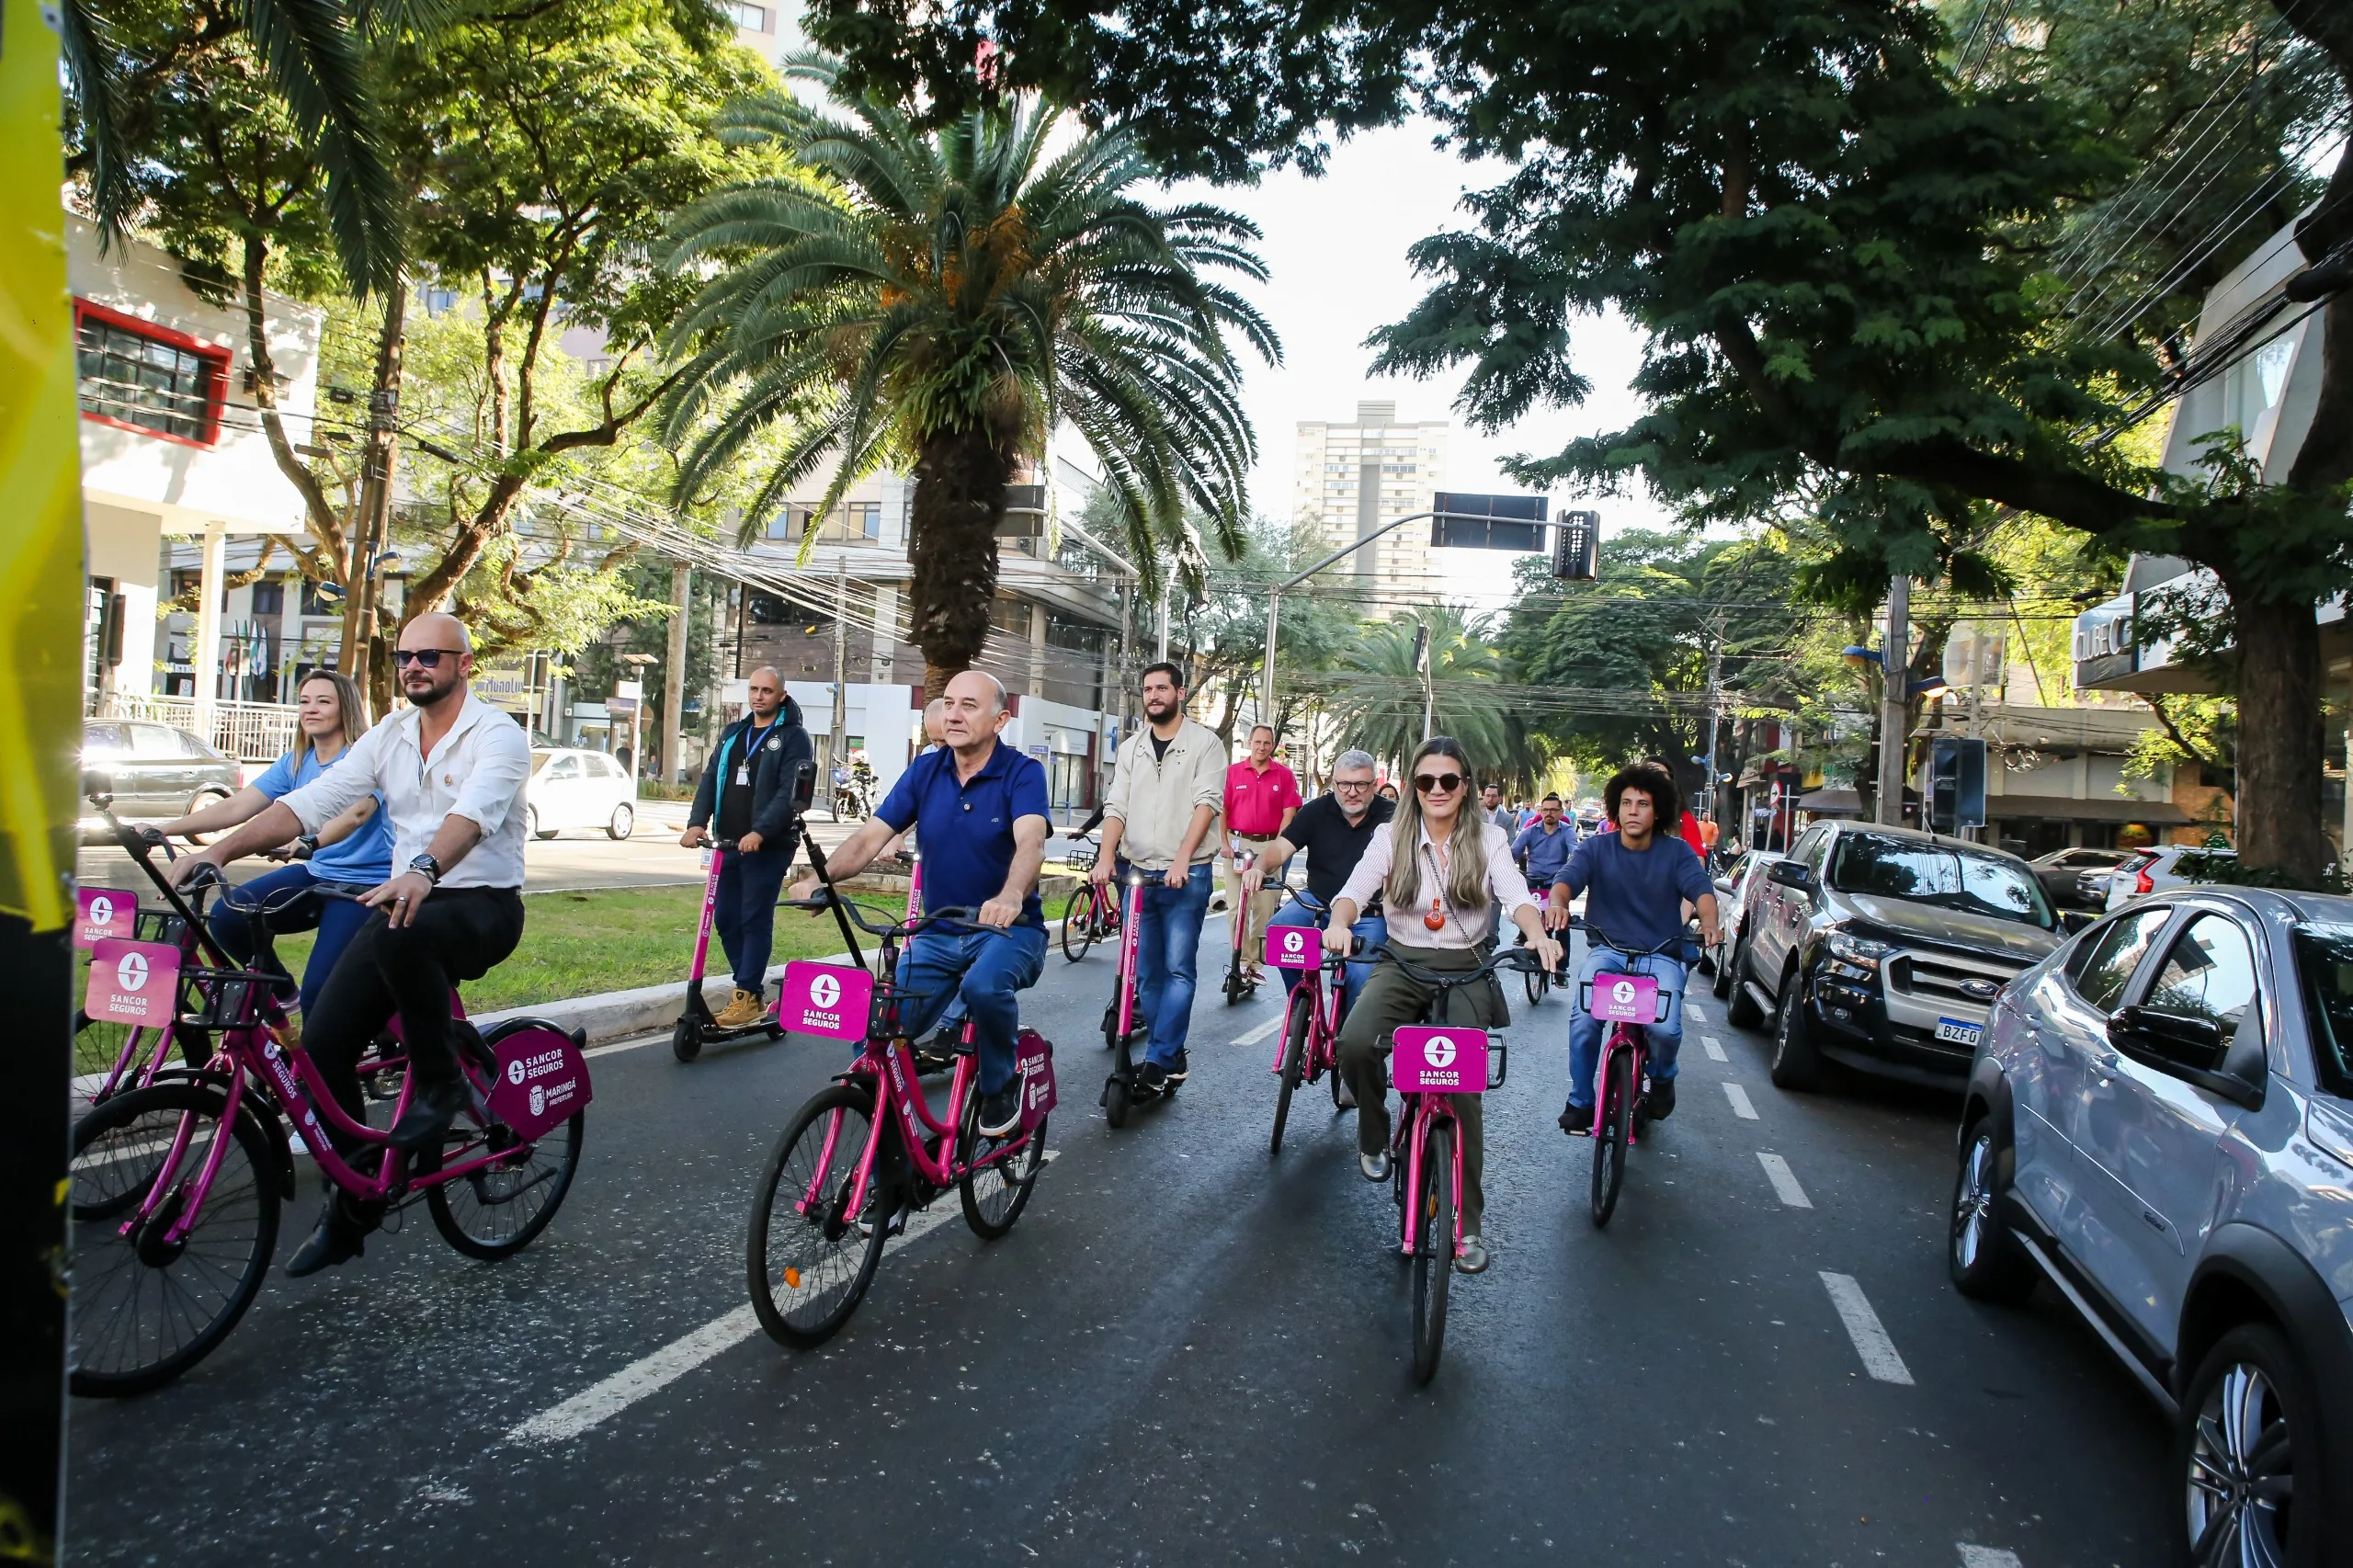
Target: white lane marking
[(1261, 1032), (1715, 1048), (1740, 1106), (593, 1051), (1986, 1557), (653, 1373), (1784, 1180), (1694, 1011), (1871, 1342)]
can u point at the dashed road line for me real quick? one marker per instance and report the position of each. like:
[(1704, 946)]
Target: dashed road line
[(1261, 1032), (1715, 1048), (1740, 1106), (1784, 1180), (1871, 1340), (650, 1374), (1986, 1557)]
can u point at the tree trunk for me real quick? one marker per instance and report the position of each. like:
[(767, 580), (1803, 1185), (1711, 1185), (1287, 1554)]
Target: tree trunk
[(2279, 741), (958, 501)]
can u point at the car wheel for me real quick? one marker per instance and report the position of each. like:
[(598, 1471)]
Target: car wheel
[(1741, 1010), (203, 799), (624, 822), (1796, 1063), (1984, 1260), (532, 821), (1721, 987), (2249, 1435)]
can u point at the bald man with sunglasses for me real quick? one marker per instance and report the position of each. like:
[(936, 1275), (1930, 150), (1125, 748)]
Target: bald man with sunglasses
[(452, 770)]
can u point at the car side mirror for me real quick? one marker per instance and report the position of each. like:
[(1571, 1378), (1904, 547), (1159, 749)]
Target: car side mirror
[(2247, 1070), (1791, 874), (2074, 920)]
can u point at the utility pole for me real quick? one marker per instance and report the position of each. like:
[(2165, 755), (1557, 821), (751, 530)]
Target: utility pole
[(1896, 670), (1422, 663), (1161, 648), (841, 670), (674, 676)]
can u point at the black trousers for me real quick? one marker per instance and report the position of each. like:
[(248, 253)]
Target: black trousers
[(459, 933)]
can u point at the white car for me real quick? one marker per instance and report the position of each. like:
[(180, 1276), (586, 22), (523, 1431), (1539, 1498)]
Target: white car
[(1732, 886), (2153, 870), (580, 789)]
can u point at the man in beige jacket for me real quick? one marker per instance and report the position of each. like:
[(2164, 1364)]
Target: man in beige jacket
[(1162, 819)]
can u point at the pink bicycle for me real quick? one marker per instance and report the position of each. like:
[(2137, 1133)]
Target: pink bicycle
[(1309, 1045), (857, 1156), (1431, 1063), (175, 1185)]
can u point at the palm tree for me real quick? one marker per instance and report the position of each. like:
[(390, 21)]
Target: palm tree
[(311, 50), (1376, 690), (941, 300)]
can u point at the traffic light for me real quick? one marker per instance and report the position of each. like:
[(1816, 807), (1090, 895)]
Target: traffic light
[(1576, 547)]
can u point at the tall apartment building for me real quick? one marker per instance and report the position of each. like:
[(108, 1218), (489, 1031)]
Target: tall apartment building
[(1355, 477)]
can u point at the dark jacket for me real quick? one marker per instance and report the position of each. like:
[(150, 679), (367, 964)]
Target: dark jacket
[(776, 771)]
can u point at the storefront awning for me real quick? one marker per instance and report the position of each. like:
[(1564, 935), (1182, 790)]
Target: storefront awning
[(2064, 808)]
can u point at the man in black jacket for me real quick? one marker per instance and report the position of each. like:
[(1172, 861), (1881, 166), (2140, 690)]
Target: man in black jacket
[(750, 782)]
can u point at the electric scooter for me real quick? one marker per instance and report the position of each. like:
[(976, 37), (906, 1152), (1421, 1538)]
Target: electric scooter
[(697, 1027), (1123, 1032)]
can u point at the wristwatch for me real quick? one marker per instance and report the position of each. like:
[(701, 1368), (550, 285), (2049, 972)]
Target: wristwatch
[(308, 843), (426, 866)]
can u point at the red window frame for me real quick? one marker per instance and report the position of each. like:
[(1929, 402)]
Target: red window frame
[(216, 380)]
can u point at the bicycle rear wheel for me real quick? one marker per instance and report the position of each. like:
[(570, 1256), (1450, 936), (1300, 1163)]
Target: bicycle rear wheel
[(146, 1309), (1434, 1250), (1078, 922), (497, 1211), (994, 1195), (1610, 1144), (1294, 1062), (807, 1264)]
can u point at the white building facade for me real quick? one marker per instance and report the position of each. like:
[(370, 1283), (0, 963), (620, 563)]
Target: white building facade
[(1352, 478)]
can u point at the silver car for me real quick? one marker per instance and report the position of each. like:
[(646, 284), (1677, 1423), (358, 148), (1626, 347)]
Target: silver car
[(2155, 870), (2159, 1124), (1734, 883)]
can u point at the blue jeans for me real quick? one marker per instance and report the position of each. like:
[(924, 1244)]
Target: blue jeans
[(1168, 946), (983, 968), (1584, 1030), (745, 914), (1352, 977), (292, 907)]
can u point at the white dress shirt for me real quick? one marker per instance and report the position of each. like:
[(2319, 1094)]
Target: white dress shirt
[(477, 772), (1463, 928)]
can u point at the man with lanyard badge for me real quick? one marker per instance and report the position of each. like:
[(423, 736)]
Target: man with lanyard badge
[(755, 776), (979, 810)]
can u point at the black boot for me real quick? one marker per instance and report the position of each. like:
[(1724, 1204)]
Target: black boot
[(340, 1236), (431, 1107)]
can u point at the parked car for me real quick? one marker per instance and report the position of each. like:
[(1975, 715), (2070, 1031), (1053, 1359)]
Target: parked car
[(1882, 948), (580, 789), (154, 771), (1734, 884), (2153, 870), (2062, 874), (2160, 1123)]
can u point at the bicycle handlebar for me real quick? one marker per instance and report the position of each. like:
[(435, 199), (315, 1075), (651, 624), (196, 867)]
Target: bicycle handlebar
[(1521, 959), (1686, 933), (829, 898)]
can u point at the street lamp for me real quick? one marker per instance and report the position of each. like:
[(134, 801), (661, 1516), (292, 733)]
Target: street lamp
[(637, 662)]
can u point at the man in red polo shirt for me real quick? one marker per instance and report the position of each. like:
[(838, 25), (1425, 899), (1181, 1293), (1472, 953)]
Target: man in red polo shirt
[(1261, 796)]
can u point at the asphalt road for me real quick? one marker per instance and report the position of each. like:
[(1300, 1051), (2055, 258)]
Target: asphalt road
[(1184, 1354)]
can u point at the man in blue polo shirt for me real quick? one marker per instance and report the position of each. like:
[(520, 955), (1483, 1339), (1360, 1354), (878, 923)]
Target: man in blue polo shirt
[(979, 811)]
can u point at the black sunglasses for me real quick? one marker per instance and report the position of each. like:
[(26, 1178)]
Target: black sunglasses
[(1438, 783), (430, 657)]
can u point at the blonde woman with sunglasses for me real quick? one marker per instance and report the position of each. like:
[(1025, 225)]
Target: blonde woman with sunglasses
[(1442, 869)]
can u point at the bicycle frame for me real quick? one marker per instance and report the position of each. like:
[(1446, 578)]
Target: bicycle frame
[(1324, 1019), (1622, 1036)]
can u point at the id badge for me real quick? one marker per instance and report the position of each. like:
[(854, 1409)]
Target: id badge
[(743, 776)]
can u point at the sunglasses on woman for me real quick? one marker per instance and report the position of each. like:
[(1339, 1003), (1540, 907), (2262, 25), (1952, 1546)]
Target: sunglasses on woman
[(1436, 783)]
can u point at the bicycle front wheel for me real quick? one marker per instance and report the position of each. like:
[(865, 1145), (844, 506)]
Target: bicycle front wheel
[(809, 1262), (1535, 983), (1078, 922), (1609, 1143), (1294, 1062), (147, 1308), (1433, 1250)]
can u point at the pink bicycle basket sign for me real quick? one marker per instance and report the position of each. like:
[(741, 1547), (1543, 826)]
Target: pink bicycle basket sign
[(1440, 1061), (100, 913), (1033, 1060), (542, 1080), (824, 999), (132, 982), (1624, 998), (1294, 947)]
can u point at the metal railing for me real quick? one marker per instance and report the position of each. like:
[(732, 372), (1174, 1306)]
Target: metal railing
[(250, 731)]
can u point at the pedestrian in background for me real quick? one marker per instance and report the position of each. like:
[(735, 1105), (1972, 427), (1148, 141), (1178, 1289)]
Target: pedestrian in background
[(1261, 797), (750, 787), (1167, 790)]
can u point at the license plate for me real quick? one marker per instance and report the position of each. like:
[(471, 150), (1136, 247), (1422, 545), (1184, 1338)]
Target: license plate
[(1959, 1033)]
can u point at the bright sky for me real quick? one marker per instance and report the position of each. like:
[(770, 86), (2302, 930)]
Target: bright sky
[(1336, 247)]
